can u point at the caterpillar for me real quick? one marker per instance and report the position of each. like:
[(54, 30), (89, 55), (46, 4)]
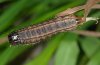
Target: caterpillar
[(35, 33), (64, 21)]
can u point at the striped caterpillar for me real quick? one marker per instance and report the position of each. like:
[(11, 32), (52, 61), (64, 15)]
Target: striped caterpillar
[(63, 22), (35, 33)]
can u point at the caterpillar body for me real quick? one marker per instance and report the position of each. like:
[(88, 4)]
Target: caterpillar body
[(35, 33)]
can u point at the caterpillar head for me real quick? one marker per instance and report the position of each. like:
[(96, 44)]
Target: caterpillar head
[(13, 38)]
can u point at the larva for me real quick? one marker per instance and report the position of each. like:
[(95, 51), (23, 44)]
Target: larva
[(36, 33), (63, 22)]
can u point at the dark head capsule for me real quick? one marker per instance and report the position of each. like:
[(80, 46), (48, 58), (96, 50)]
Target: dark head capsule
[(13, 38)]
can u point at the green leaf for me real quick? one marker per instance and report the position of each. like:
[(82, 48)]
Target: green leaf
[(11, 52), (68, 51), (11, 13), (95, 60), (90, 45), (47, 53), (2, 1)]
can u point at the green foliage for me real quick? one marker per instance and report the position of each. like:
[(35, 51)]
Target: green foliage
[(11, 52), (68, 51), (90, 45), (62, 49)]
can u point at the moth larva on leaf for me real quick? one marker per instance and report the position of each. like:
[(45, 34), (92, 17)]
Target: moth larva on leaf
[(35, 34), (63, 22)]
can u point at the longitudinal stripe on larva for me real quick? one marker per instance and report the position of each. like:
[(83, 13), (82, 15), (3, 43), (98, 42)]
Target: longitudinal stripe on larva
[(36, 33)]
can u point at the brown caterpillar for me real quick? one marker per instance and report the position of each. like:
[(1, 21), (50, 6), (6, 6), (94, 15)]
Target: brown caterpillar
[(36, 33)]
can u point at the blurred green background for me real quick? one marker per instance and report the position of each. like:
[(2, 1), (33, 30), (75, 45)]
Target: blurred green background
[(62, 49)]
